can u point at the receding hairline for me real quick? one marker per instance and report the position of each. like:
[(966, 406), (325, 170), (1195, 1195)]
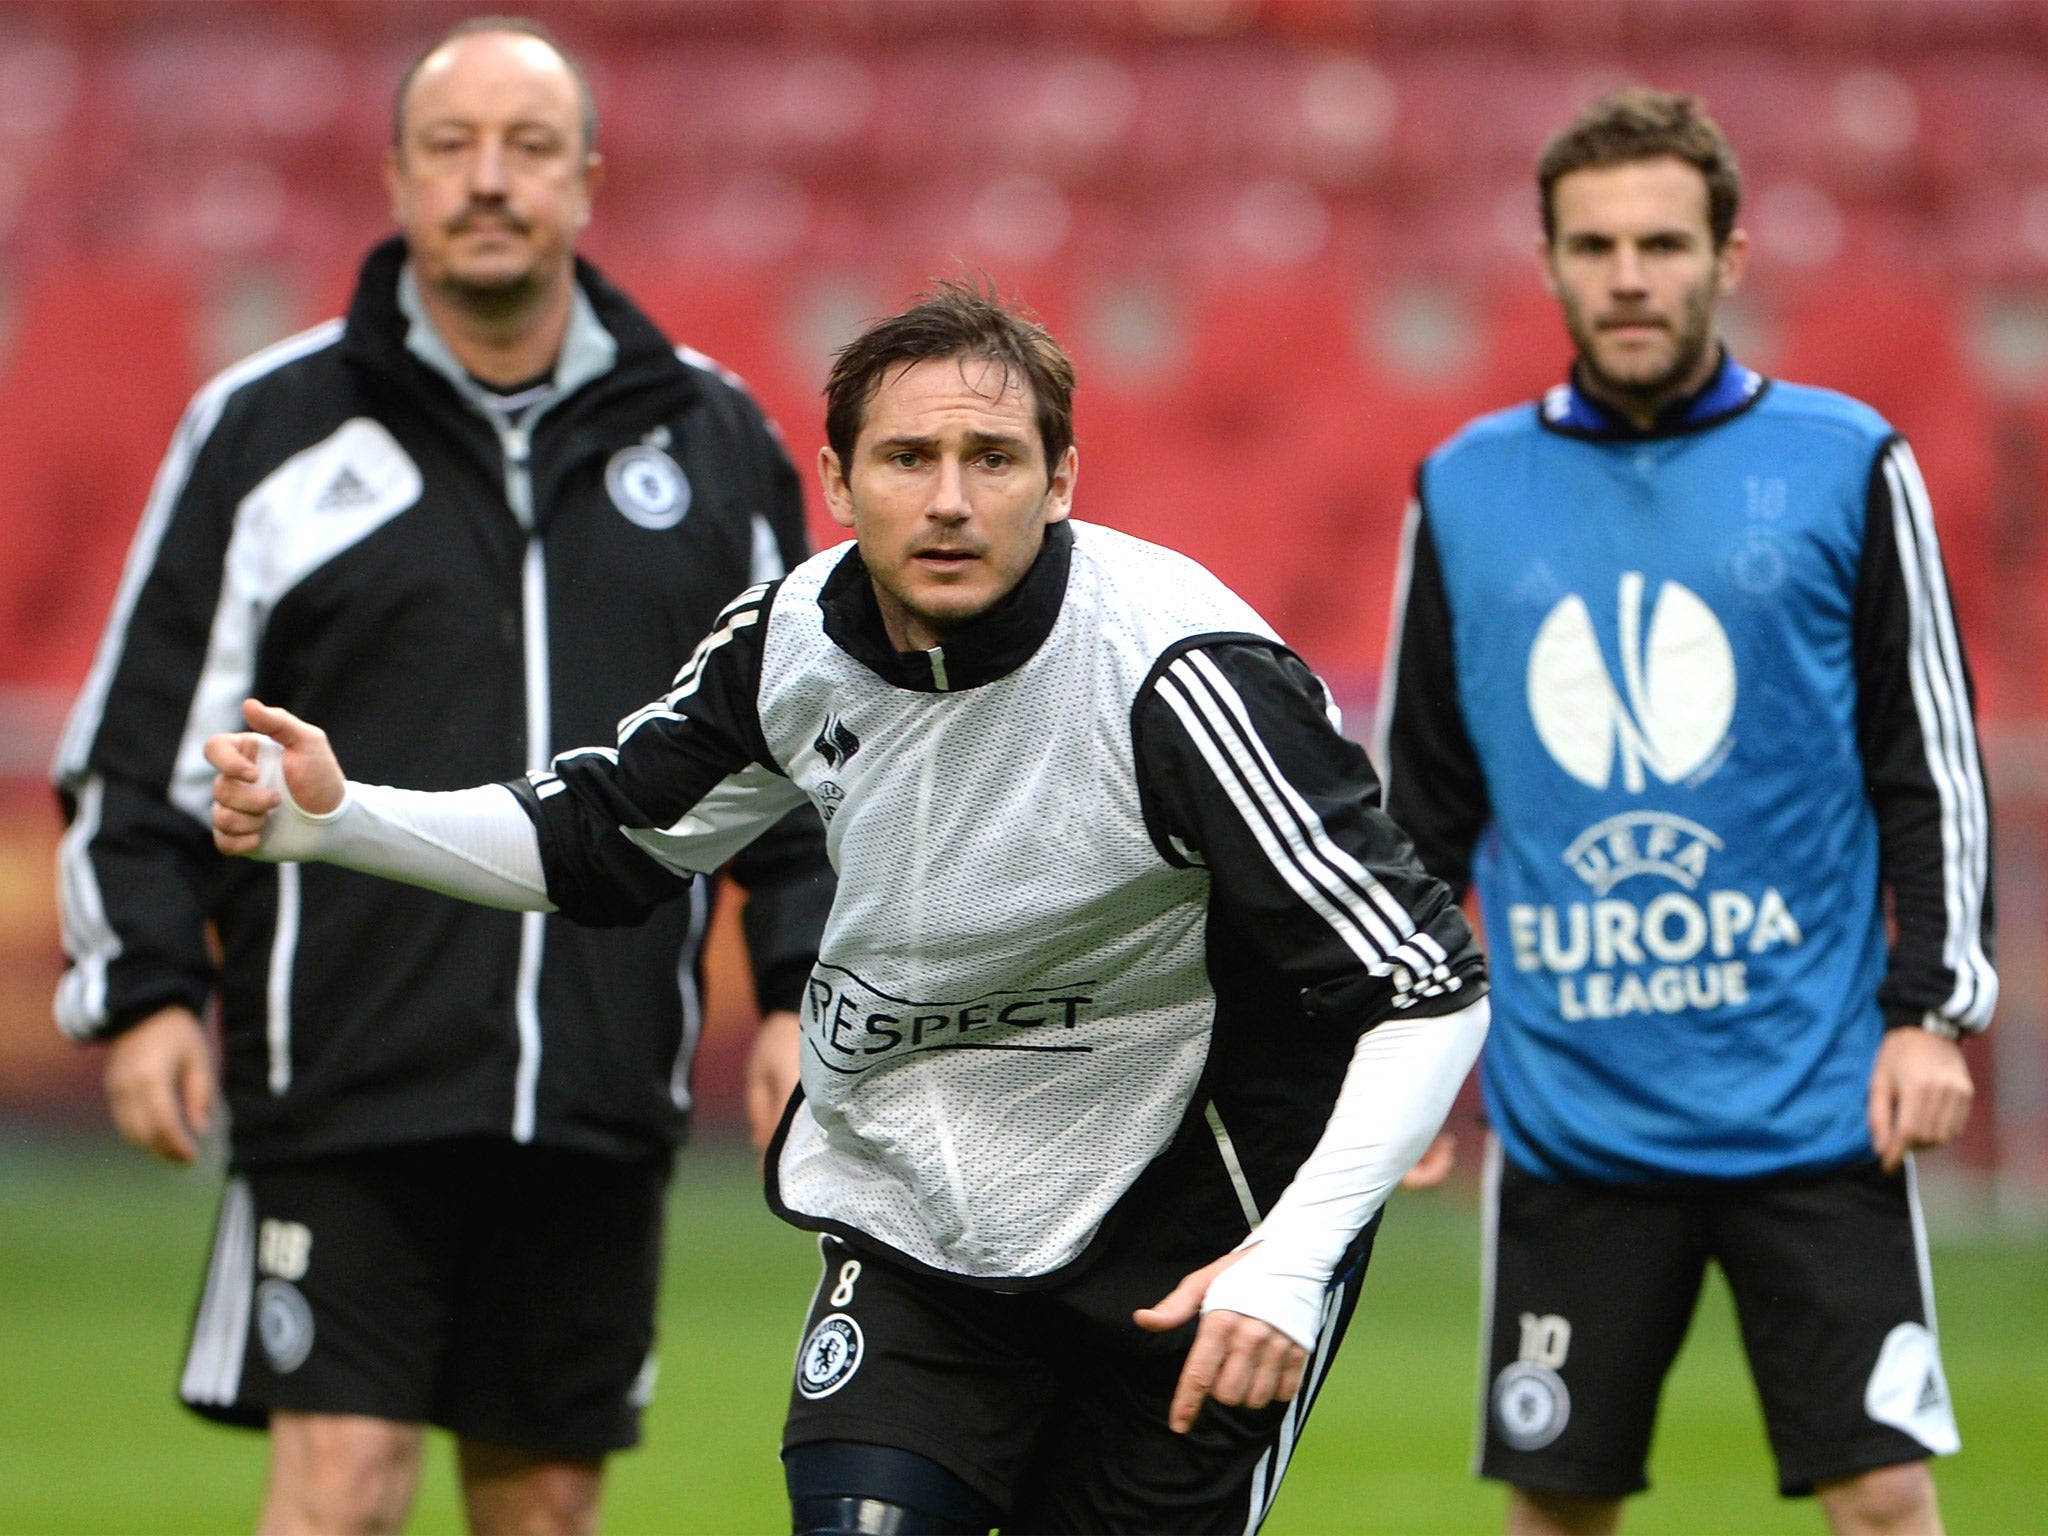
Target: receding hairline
[(1014, 377), (516, 30)]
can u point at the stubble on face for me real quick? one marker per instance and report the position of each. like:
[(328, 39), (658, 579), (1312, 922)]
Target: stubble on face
[(1691, 338), (1638, 276), (948, 493)]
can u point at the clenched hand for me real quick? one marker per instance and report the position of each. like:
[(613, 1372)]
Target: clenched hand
[(160, 1084), (241, 802), (1920, 1094)]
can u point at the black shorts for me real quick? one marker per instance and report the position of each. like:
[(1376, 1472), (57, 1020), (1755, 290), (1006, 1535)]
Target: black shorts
[(1059, 1421), (504, 1292), (1590, 1288)]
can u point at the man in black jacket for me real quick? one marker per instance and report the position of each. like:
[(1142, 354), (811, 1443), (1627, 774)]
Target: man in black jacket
[(485, 515)]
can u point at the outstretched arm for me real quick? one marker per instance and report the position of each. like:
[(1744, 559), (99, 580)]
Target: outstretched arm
[(604, 837), (280, 796)]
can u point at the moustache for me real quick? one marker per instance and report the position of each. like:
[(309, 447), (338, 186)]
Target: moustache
[(487, 213), (1609, 322)]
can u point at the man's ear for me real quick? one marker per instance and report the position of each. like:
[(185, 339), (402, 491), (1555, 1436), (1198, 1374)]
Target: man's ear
[(1733, 261), (394, 185), (1059, 496), (838, 494), (593, 178), (1544, 265)]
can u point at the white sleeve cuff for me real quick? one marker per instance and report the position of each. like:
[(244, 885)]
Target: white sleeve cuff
[(1402, 1080), (1942, 1025)]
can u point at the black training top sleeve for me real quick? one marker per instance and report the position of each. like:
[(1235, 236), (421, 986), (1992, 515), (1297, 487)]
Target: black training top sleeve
[(689, 785), (1436, 790), (773, 488), (1915, 708), (790, 886), (1242, 770), (138, 879), (138, 873)]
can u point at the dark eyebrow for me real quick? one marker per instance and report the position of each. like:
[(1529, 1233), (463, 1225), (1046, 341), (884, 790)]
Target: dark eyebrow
[(888, 445), (1668, 232), (1009, 442), (1004, 440), (470, 124)]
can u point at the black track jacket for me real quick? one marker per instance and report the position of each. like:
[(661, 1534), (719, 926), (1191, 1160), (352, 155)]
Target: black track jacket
[(344, 528)]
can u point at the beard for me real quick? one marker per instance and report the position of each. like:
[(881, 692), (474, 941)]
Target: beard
[(1692, 339)]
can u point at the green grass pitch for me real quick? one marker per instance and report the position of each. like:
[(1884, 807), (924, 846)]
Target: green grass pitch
[(100, 1256)]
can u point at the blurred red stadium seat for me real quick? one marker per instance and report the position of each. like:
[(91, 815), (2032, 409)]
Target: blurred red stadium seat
[(773, 170), (92, 383)]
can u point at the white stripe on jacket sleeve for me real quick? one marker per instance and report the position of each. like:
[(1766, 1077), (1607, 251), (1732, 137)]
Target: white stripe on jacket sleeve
[(89, 937), (74, 748), (743, 612), (1941, 700), (1334, 885)]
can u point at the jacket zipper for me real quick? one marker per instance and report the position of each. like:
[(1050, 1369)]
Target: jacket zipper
[(516, 445)]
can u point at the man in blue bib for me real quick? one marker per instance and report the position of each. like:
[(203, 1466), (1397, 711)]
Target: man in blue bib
[(1676, 680)]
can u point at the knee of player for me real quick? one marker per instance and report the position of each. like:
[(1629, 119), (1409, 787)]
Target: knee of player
[(1539, 1512), (1882, 1502), (849, 1488), (508, 1489), (341, 1473)]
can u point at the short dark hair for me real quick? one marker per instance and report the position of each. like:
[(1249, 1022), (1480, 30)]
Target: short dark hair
[(517, 26), (953, 319), (1642, 124)]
